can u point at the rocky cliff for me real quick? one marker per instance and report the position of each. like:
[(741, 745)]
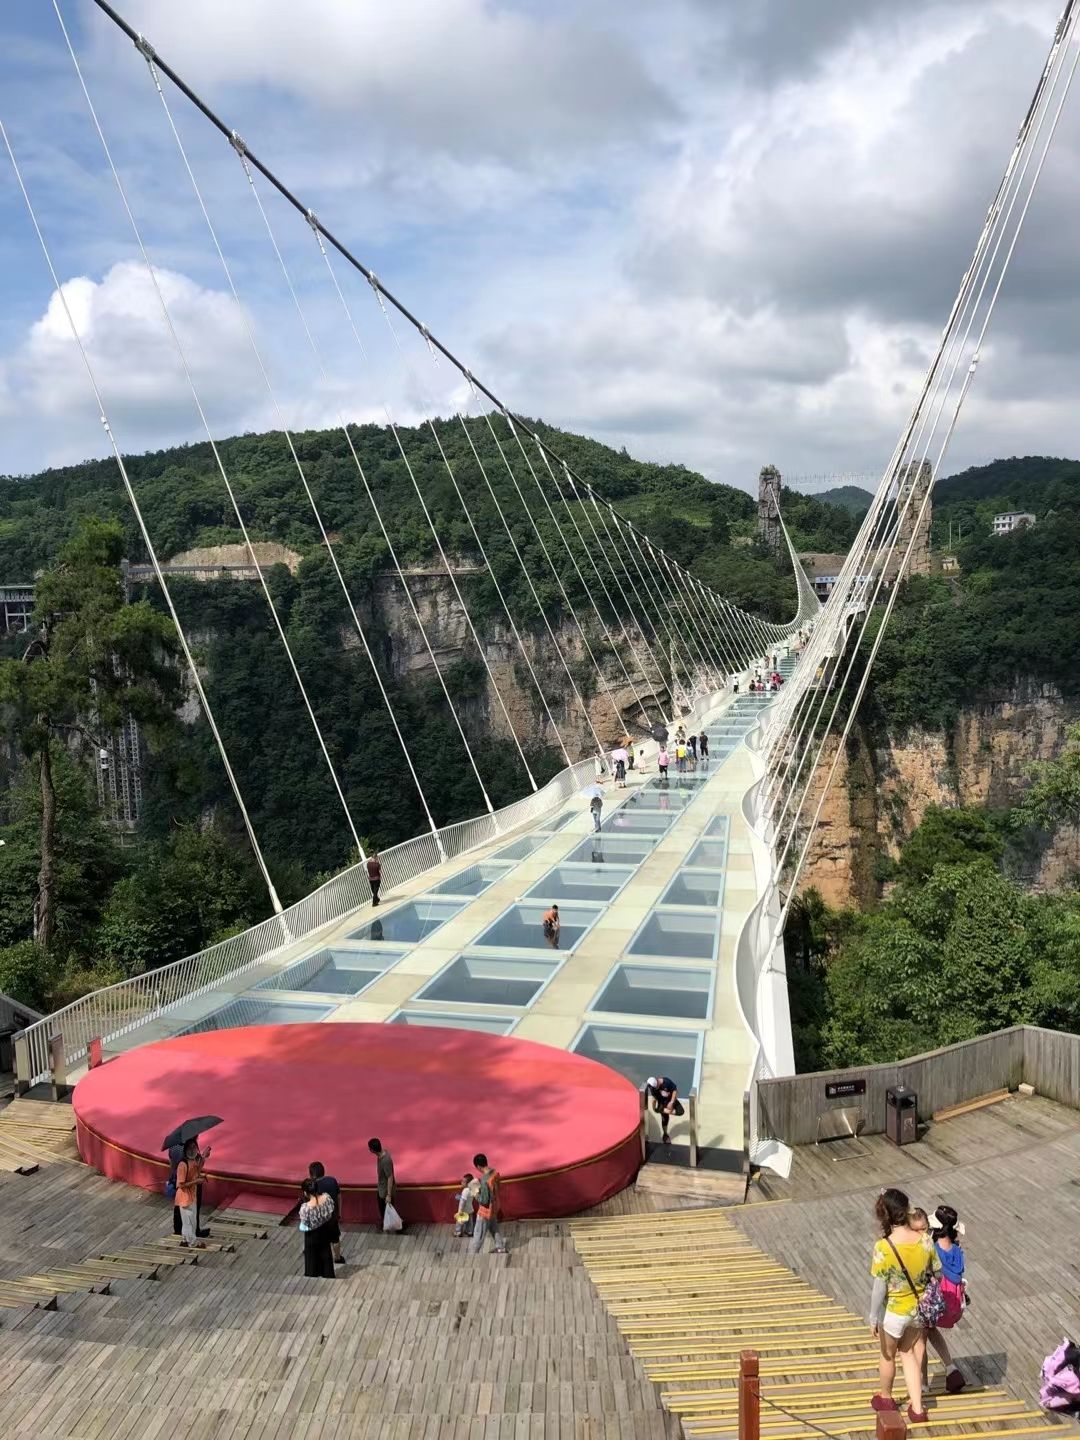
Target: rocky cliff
[(884, 784), (613, 706)]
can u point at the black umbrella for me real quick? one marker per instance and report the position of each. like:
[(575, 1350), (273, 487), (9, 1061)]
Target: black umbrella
[(189, 1130), (659, 732)]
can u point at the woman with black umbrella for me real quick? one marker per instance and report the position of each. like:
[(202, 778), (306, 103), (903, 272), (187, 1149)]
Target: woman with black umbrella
[(316, 1213)]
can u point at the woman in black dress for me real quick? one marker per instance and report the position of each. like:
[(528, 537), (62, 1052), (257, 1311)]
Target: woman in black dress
[(316, 1214)]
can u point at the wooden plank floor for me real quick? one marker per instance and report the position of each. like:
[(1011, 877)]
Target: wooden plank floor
[(35, 1133), (689, 1291), (1013, 1173), (415, 1340)]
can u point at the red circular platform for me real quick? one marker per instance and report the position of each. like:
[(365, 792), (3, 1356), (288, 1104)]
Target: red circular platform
[(562, 1130)]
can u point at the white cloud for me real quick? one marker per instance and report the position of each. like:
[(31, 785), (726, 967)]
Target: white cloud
[(146, 395)]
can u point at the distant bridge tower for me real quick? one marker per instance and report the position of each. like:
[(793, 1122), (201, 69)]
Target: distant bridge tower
[(913, 480), (768, 509)]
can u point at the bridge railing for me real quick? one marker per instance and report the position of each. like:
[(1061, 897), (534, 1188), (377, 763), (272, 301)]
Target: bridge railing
[(116, 1010)]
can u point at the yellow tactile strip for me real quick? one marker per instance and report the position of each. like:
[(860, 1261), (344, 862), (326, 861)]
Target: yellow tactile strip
[(689, 1292)]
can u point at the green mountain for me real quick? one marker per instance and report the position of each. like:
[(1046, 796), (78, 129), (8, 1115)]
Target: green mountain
[(848, 497), (971, 499)]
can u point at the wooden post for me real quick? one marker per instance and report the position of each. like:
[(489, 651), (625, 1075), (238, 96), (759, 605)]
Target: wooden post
[(643, 1122), (891, 1425), (22, 1063), (750, 1397), (691, 1106), (58, 1066)]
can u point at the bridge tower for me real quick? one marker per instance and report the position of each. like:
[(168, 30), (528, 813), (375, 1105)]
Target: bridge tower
[(768, 508), (912, 480)]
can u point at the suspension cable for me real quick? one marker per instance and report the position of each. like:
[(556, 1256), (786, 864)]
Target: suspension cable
[(185, 366), (162, 580)]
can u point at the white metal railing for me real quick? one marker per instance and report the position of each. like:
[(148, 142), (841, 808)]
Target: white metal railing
[(117, 1009)]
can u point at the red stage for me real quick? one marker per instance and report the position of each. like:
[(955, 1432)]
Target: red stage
[(562, 1130)]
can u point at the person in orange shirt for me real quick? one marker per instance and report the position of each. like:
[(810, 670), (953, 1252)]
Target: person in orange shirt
[(189, 1173), (552, 925)]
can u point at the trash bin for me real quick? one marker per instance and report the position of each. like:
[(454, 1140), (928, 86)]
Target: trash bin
[(902, 1115)]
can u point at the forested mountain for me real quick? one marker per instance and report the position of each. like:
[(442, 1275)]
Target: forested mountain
[(971, 499), (848, 497)]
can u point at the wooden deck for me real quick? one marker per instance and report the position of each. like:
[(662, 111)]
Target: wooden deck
[(418, 1339), (1013, 1173)]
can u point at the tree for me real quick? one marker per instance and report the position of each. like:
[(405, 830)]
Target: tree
[(949, 837), (1054, 798), (93, 662)]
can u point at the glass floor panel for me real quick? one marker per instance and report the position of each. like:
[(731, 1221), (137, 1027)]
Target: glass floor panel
[(607, 849), (675, 935), (523, 846), (489, 980), (408, 923), (707, 855), (492, 1024), (243, 1012), (627, 820), (701, 887), (657, 990), (521, 927), (596, 883), (663, 797), (559, 821), (718, 825), (332, 971), (473, 881), (637, 1054)]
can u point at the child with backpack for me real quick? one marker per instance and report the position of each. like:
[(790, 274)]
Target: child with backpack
[(463, 1206), (945, 1230)]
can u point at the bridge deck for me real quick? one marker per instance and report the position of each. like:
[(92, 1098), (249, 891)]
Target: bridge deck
[(518, 879)]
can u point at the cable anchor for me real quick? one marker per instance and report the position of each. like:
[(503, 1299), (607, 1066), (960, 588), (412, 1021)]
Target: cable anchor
[(145, 49)]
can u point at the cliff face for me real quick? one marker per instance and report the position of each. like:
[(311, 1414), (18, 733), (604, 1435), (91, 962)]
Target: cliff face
[(883, 786), (612, 707)]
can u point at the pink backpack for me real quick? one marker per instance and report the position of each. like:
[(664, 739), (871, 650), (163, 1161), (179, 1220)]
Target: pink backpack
[(1061, 1379), (953, 1296)]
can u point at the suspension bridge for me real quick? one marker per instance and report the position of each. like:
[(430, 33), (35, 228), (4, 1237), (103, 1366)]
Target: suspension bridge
[(669, 959)]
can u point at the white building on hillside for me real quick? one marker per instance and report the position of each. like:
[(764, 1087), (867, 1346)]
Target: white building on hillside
[(1012, 520)]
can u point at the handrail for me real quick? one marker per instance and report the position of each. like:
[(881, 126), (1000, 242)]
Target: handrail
[(115, 1010)]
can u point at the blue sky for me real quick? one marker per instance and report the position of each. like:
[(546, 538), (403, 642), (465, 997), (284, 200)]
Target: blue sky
[(718, 234)]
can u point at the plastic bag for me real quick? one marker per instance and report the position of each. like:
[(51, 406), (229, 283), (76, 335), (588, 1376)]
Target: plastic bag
[(391, 1220)]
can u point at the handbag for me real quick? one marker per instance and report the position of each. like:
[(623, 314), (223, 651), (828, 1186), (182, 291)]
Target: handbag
[(930, 1305)]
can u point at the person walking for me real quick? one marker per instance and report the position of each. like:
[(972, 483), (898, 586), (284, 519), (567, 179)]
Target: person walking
[(692, 742), (189, 1173), (902, 1266), (703, 747), (374, 875), (386, 1184), (596, 807), (945, 1229), (487, 1208), (664, 1094), (317, 1217), (328, 1185), (663, 760)]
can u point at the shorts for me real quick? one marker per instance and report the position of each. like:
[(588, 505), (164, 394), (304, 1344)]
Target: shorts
[(896, 1325)]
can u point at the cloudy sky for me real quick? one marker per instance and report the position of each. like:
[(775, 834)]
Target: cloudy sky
[(717, 232)]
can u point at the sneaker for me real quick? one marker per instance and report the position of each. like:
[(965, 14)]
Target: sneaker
[(184, 1245), (203, 1234), (954, 1382), (917, 1417), (883, 1402), (198, 1245)]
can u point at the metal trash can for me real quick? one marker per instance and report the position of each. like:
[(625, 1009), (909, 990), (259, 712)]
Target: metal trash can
[(902, 1115)]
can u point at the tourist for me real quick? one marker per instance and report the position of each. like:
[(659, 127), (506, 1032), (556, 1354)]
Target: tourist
[(463, 1207), (317, 1215), (487, 1207), (596, 807), (552, 926), (619, 758), (680, 756), (176, 1154), (642, 767), (386, 1184), (692, 742), (663, 760), (902, 1266), (944, 1230), (735, 685), (374, 875), (328, 1185), (703, 747), (664, 1094), (189, 1173)]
